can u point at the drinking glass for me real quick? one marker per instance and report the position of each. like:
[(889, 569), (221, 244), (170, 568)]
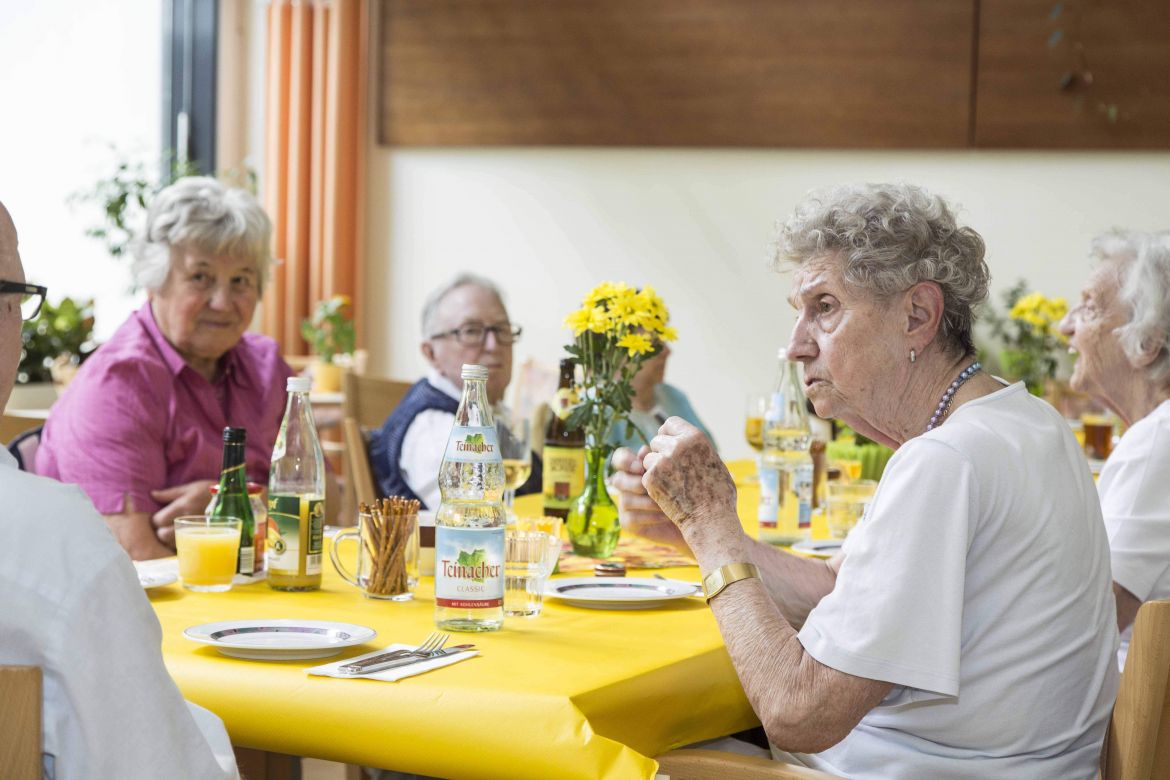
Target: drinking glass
[(1097, 427), (846, 503), (387, 556), (209, 552), (529, 557), (753, 425), (515, 435)]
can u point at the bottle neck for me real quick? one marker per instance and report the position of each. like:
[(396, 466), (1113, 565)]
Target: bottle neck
[(474, 409), (233, 477)]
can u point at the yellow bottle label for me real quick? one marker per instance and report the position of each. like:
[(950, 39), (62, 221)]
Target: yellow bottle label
[(563, 470), (296, 529)]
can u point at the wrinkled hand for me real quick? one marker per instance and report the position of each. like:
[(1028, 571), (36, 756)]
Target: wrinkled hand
[(689, 482), (639, 514), (178, 500)]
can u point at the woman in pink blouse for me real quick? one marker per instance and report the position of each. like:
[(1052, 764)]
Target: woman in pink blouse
[(140, 427)]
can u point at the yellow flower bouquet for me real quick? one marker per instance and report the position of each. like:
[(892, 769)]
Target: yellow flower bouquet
[(1031, 336), (615, 331)]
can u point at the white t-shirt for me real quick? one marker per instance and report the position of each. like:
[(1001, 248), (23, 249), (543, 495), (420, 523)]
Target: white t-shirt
[(424, 444), (1135, 500), (71, 604), (978, 584)]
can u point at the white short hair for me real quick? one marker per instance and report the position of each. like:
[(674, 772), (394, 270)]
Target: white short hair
[(430, 310), (198, 212), (1144, 265), (889, 237)]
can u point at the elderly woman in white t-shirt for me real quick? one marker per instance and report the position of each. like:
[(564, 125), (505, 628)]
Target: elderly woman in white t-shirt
[(1121, 334), (966, 629)]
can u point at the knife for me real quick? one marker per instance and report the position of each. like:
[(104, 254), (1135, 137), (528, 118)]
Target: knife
[(397, 658)]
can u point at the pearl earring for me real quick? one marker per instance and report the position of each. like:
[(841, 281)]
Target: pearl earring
[(913, 356)]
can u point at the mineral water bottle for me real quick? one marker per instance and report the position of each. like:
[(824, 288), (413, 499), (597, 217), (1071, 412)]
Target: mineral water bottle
[(787, 436), (296, 496), (469, 526)]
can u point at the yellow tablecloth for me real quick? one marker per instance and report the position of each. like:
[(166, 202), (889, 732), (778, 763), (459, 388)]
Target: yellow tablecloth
[(573, 693)]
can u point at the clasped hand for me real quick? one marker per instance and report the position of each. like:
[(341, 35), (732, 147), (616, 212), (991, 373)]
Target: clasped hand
[(677, 490)]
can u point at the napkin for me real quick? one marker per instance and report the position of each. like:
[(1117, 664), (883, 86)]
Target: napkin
[(390, 675)]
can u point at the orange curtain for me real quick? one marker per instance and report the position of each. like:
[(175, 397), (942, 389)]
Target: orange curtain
[(315, 124)]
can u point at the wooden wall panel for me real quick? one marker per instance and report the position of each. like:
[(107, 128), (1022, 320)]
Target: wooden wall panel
[(780, 73), (1026, 47)]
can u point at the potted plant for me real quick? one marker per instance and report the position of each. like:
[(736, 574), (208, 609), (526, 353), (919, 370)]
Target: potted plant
[(615, 331), (52, 347), (330, 333)]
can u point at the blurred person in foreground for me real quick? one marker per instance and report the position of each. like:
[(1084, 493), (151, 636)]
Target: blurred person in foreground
[(72, 605), (1120, 333), (653, 402), (140, 428), (464, 321), (967, 628)]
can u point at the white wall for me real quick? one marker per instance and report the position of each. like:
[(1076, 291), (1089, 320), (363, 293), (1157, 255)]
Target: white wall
[(74, 77), (548, 224)]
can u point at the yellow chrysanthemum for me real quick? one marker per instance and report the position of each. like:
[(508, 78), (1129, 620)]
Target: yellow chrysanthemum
[(636, 344), (668, 334), (599, 320), (578, 321)]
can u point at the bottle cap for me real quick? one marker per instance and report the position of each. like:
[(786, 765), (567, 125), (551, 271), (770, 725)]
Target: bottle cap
[(298, 384), (472, 371), (609, 569), (234, 435)]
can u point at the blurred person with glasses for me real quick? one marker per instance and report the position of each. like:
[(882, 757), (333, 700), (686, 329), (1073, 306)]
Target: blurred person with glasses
[(464, 321), (73, 606)]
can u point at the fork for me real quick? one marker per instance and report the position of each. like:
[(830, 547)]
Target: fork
[(430, 646)]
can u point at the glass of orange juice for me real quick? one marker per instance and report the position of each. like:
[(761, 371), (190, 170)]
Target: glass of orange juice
[(208, 552)]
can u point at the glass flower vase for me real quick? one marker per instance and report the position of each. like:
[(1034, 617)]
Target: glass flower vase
[(593, 523)]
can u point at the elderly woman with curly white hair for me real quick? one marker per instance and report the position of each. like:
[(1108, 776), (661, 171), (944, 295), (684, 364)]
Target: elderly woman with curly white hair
[(140, 426), (966, 629), (1121, 334)]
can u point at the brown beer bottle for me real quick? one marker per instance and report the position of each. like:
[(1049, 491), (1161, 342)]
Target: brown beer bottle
[(563, 461)]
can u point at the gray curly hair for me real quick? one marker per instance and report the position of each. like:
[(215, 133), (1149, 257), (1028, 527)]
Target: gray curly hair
[(1144, 265), (891, 237), (198, 212)]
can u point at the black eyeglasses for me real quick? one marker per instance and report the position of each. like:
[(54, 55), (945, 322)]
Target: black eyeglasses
[(476, 335), (32, 296)]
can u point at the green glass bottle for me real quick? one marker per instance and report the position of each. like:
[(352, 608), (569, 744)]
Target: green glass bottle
[(231, 498)]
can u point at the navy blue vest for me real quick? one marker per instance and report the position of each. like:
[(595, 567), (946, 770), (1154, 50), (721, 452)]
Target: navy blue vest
[(386, 446)]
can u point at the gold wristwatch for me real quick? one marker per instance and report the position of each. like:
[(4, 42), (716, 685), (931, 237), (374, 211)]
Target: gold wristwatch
[(716, 581)]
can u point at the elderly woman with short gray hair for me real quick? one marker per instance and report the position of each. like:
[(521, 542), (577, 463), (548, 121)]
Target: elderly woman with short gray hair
[(966, 628), (1121, 334), (140, 426)]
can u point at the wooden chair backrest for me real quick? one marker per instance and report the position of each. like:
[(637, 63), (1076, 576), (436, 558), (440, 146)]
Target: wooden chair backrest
[(357, 462), (696, 764), (1137, 746), (370, 399), (20, 722)]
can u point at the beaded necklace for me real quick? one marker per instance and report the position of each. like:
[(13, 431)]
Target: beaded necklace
[(944, 404)]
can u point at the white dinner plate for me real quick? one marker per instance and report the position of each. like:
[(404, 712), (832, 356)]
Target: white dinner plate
[(156, 573), (279, 639), (819, 548), (619, 592)]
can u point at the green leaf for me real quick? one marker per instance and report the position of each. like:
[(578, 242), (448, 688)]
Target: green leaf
[(471, 560)]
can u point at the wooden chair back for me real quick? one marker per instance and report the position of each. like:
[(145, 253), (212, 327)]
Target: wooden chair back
[(1137, 746), (370, 399), (20, 722), (357, 462), (696, 764)]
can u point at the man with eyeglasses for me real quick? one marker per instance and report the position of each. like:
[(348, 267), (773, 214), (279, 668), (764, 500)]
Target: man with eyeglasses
[(73, 606), (464, 321)]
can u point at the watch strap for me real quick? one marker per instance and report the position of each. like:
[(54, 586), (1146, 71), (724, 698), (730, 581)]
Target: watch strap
[(716, 581)]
